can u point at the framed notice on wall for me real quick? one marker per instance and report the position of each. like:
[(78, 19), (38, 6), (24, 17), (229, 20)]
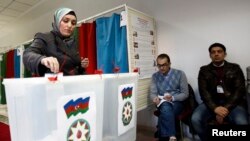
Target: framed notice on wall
[(141, 43)]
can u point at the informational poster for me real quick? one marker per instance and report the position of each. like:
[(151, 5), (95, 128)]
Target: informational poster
[(126, 108), (142, 44)]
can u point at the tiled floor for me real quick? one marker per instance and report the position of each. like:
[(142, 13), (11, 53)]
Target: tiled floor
[(145, 134)]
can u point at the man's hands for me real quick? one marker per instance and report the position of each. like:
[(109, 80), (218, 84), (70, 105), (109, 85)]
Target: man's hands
[(168, 97), (156, 100), (221, 112)]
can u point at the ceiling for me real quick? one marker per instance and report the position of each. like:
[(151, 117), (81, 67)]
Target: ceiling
[(13, 9)]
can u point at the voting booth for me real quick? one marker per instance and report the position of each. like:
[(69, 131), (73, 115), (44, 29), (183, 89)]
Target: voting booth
[(120, 112), (69, 108)]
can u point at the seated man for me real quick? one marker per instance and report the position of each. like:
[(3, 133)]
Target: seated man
[(222, 88), (169, 88)]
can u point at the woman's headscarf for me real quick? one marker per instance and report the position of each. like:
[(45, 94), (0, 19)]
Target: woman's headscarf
[(59, 13)]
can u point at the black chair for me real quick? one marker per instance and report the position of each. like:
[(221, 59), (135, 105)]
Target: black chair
[(185, 117)]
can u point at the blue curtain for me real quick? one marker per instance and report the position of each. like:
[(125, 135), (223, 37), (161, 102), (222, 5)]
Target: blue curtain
[(17, 63), (121, 51), (111, 42)]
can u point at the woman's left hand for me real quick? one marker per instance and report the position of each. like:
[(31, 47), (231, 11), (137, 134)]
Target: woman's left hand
[(84, 62)]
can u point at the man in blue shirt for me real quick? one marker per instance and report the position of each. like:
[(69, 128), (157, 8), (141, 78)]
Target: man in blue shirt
[(168, 90)]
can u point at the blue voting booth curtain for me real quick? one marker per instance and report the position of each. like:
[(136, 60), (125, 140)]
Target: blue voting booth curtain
[(17, 63), (121, 51), (111, 42)]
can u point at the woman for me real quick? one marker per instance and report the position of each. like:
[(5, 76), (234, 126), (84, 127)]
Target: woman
[(56, 51)]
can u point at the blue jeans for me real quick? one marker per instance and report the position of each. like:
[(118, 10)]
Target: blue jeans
[(166, 119), (202, 114)]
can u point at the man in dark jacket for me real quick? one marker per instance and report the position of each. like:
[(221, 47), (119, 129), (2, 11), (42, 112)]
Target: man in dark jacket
[(222, 90)]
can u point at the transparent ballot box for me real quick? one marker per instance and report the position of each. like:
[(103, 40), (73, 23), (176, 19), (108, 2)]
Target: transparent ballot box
[(120, 115), (67, 108)]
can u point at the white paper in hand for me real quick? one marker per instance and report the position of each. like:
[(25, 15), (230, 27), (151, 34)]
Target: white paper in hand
[(163, 100)]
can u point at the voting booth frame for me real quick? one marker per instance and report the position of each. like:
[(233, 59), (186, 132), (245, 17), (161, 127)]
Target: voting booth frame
[(87, 107)]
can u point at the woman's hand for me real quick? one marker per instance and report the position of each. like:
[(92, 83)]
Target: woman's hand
[(84, 62), (51, 63)]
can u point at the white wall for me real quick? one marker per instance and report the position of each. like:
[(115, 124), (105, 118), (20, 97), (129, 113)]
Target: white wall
[(186, 29)]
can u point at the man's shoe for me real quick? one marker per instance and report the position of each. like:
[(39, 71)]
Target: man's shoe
[(156, 134), (172, 138), (163, 138)]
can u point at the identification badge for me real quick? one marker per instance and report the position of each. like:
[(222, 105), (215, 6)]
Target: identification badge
[(220, 89)]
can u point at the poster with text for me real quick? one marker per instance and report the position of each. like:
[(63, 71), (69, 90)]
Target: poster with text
[(142, 44)]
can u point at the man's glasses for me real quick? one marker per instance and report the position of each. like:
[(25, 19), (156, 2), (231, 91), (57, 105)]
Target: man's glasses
[(162, 65)]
